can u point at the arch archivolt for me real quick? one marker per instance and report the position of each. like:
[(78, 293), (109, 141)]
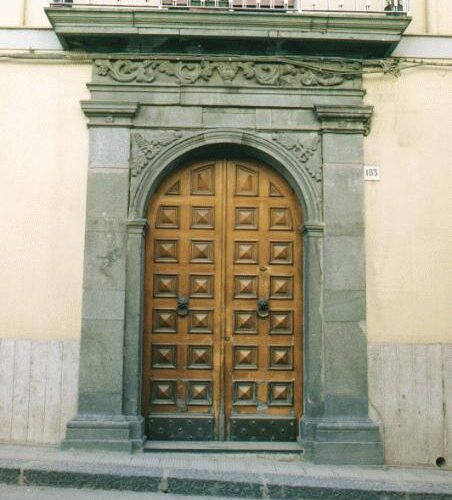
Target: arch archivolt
[(299, 164)]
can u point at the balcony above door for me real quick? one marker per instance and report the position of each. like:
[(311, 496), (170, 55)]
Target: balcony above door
[(345, 28)]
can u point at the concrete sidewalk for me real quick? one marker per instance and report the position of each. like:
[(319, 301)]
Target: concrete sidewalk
[(233, 475)]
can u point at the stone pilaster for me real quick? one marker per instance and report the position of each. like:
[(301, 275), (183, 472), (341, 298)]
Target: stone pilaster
[(101, 421), (339, 429)]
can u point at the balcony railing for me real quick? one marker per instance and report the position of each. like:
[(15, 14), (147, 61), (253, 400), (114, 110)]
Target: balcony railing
[(392, 7)]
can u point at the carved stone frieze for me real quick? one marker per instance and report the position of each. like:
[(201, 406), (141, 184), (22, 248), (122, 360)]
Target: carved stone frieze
[(144, 150), (303, 150), (229, 72)]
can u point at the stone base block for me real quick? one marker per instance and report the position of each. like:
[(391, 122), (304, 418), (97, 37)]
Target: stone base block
[(342, 442), (110, 433)]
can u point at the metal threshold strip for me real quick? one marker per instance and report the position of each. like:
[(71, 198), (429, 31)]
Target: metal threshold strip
[(222, 447)]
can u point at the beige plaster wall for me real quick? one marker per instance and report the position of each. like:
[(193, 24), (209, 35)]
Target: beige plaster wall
[(42, 179), (429, 16), (408, 213), (43, 165), (12, 13), (29, 13)]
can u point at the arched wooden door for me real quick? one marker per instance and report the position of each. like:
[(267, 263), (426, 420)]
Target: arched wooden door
[(223, 306)]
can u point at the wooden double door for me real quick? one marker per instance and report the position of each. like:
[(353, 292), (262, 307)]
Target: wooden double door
[(223, 306)]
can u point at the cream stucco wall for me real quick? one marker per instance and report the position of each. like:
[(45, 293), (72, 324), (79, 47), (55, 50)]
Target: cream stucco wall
[(432, 17), (29, 13), (408, 213), (409, 228), (43, 165)]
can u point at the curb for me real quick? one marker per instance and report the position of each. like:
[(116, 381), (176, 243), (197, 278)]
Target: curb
[(185, 482)]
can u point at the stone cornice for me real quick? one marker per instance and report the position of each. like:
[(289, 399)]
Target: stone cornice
[(107, 29), (345, 119), (109, 113)]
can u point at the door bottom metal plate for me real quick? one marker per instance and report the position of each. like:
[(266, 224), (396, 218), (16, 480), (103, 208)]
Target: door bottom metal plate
[(263, 429), (180, 428)]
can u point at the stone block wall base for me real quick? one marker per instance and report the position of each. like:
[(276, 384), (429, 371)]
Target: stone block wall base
[(342, 442), (104, 433)]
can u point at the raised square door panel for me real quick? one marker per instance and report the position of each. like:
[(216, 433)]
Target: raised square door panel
[(202, 251), (246, 218), (167, 217), (280, 219), (202, 286), (164, 356), (246, 252), (245, 322), (200, 321), (281, 287), (166, 285), (202, 218), (281, 252), (164, 321), (164, 392), (281, 323), (200, 357), (245, 287), (166, 251), (244, 393), (281, 357), (199, 393), (245, 357), (280, 393)]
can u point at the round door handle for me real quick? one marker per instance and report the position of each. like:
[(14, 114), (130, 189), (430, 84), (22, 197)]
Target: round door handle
[(263, 308), (182, 306)]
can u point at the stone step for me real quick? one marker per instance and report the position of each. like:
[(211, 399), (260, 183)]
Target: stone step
[(223, 447)]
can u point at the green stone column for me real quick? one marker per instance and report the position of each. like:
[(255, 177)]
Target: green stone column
[(136, 233), (339, 429), (313, 328), (101, 422)]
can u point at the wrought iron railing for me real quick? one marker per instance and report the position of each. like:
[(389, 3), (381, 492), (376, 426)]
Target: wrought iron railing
[(392, 7)]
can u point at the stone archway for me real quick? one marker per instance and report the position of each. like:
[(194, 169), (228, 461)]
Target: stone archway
[(252, 146), (328, 182)]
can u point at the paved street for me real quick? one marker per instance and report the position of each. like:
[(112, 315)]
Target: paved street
[(39, 493)]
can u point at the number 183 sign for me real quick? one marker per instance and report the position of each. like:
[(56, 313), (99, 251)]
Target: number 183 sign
[(371, 173)]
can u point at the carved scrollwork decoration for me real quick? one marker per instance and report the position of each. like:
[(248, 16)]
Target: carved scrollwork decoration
[(145, 150), (367, 124), (303, 152), (127, 71), (282, 74)]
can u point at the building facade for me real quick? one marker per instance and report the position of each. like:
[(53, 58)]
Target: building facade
[(205, 260)]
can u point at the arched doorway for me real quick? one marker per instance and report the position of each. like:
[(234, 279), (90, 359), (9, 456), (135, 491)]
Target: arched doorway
[(223, 305)]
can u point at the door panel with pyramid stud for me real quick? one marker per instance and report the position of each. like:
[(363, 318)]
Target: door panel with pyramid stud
[(181, 361), (223, 335)]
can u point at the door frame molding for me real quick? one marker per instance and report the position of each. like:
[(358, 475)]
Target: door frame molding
[(335, 427), (249, 145)]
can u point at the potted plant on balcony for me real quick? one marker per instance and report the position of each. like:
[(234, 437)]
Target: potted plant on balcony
[(393, 7)]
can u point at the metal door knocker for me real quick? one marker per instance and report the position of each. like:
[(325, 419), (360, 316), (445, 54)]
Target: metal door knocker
[(263, 308), (182, 306)]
